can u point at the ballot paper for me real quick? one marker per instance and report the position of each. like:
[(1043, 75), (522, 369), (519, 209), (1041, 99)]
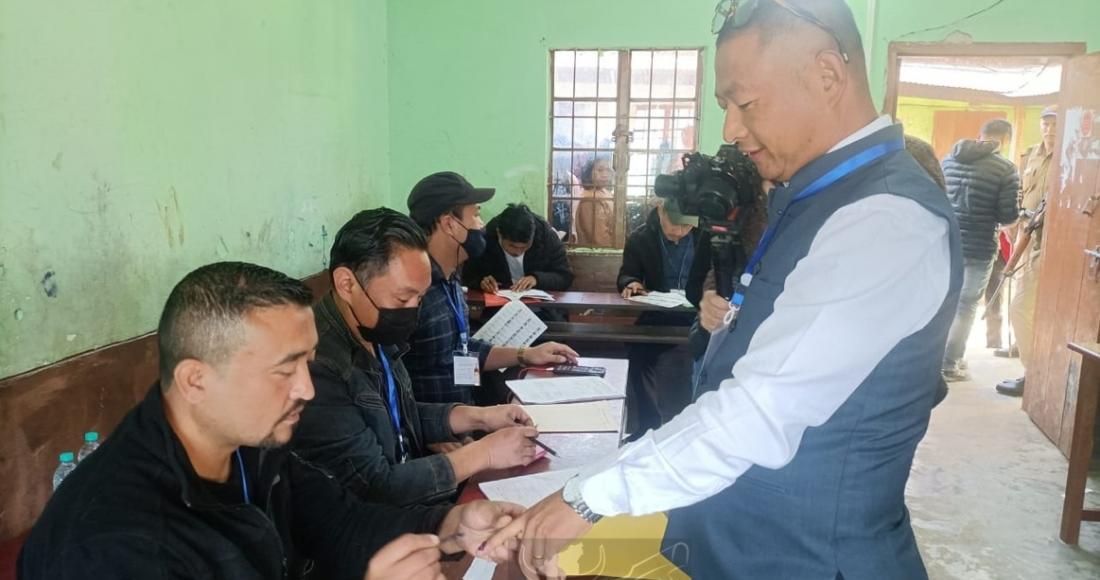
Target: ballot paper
[(563, 390), (662, 299), (532, 294), (591, 417), (515, 325), (527, 490), (480, 570)]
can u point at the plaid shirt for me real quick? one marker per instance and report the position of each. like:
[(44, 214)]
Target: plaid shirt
[(431, 347)]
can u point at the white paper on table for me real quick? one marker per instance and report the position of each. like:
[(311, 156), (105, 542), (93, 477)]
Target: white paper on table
[(590, 417), (515, 325), (563, 390), (662, 299), (532, 293), (480, 570), (527, 490)]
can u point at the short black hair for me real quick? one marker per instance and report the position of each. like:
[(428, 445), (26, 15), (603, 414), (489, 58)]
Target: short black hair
[(428, 226), (516, 223), (996, 128), (366, 243), (590, 166), (202, 318), (774, 21)]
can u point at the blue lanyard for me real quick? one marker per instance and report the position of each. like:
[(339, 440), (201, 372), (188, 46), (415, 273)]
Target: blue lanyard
[(394, 408), (460, 318), (688, 253), (244, 478), (848, 167)]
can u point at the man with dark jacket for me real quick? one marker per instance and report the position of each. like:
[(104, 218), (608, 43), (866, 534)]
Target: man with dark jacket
[(364, 426), (444, 359), (983, 188), (523, 252), (193, 483), (659, 256)]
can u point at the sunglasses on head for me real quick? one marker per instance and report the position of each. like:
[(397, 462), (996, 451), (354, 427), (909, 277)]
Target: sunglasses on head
[(740, 12)]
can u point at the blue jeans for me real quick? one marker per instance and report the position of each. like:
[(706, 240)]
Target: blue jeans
[(975, 278)]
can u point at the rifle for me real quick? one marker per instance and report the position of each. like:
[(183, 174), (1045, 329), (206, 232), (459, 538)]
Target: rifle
[(1034, 222)]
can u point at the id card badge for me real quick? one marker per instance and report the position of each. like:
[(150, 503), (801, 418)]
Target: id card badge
[(466, 369)]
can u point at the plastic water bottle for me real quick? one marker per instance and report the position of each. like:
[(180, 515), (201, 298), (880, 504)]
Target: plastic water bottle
[(91, 443), (67, 466)]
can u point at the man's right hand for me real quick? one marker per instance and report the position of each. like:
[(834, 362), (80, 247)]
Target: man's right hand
[(489, 284), (409, 557), (510, 447), (712, 311)]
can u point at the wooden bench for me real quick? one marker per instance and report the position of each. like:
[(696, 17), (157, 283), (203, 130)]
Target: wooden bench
[(1080, 450)]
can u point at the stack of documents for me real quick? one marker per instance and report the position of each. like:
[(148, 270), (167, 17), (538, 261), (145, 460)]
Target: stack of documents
[(527, 490), (564, 390), (590, 417)]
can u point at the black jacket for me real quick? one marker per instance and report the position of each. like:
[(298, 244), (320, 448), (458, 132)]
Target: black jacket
[(545, 260), (643, 262), (984, 189), (346, 429), (136, 509)]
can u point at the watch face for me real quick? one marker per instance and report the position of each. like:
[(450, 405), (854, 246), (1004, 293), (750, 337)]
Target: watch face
[(571, 492)]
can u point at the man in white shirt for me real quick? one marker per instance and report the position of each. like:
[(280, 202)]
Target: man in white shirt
[(818, 386)]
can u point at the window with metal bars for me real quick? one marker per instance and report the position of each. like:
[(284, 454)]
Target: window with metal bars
[(618, 118)]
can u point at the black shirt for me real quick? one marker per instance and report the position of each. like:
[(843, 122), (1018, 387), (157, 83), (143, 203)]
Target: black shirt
[(136, 509)]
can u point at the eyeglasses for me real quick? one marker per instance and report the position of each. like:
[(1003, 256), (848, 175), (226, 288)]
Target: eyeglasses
[(741, 11)]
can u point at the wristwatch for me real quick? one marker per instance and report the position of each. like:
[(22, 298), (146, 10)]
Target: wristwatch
[(572, 496)]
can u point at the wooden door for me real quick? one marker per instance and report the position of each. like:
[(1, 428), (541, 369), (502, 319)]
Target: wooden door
[(1068, 306), (950, 127)]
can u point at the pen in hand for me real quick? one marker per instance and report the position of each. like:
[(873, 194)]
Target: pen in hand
[(544, 446)]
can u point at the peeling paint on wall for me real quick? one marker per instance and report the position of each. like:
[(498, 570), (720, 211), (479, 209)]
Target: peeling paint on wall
[(239, 152), (49, 284), (171, 219)]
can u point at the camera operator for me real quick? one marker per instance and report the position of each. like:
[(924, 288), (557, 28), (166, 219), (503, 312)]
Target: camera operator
[(659, 256)]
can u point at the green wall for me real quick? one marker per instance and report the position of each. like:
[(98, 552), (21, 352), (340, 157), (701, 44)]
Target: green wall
[(469, 81), (139, 140)]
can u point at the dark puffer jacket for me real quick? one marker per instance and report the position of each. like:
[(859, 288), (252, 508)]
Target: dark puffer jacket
[(984, 189)]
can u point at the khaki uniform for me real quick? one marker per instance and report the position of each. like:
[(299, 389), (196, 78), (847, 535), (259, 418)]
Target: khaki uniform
[(1035, 186)]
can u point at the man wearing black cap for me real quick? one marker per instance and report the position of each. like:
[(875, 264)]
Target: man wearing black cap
[(444, 360)]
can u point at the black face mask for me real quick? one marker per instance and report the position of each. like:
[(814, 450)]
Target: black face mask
[(476, 241), (394, 325)]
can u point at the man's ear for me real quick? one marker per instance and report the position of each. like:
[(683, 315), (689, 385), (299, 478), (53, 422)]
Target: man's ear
[(344, 282), (833, 74), (190, 378)]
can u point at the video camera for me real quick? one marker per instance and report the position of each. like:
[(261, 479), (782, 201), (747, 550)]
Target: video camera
[(712, 188), (718, 190)]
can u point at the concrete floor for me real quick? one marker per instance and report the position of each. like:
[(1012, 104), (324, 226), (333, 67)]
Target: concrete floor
[(986, 487)]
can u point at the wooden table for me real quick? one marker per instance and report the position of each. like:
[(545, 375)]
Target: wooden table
[(1088, 398), (602, 331), (574, 450), (606, 301)]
